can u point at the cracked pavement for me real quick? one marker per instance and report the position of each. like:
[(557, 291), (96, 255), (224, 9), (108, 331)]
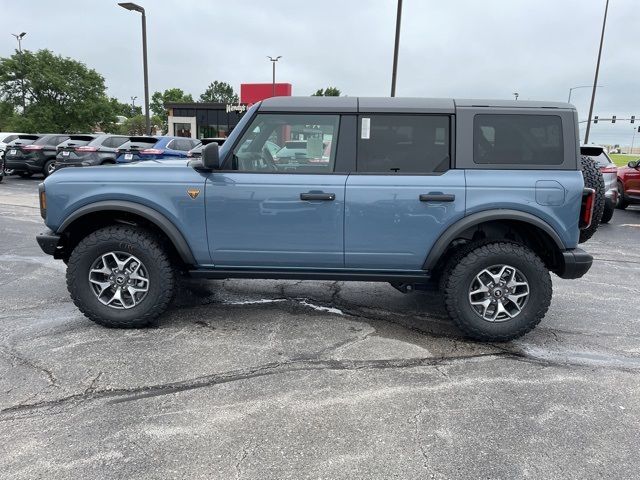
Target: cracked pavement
[(282, 379)]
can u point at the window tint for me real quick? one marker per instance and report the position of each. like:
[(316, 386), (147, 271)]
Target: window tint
[(518, 140), (9, 138), (288, 143), (403, 143), (182, 144)]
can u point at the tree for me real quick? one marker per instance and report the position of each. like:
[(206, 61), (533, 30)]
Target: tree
[(219, 92), (61, 94), (159, 99), (327, 92), (124, 109)]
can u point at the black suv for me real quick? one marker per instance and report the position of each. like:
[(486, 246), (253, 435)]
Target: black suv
[(89, 150), (31, 154)]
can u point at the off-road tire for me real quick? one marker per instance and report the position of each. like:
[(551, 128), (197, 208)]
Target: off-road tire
[(607, 214), (622, 202), (142, 244), (459, 279), (592, 179)]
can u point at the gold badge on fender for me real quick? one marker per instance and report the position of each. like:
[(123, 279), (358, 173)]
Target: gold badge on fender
[(193, 192)]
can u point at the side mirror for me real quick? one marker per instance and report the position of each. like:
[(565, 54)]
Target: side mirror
[(632, 164), (211, 156)]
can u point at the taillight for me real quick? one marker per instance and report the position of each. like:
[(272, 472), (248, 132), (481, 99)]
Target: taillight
[(32, 147), (609, 169), (586, 209), (86, 149), (189, 154), (152, 151)]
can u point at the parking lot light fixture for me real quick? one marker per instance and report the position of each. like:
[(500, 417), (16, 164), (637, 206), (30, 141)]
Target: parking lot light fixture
[(137, 8), (273, 62), (19, 37)]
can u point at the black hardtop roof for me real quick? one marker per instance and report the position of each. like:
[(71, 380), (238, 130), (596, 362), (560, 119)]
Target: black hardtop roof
[(393, 104)]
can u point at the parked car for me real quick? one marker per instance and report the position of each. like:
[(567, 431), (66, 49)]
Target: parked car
[(609, 172), (196, 151), (152, 148), (15, 145), (30, 154), (629, 185), (482, 198), (89, 150), (6, 138)]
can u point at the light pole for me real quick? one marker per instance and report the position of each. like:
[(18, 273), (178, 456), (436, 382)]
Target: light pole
[(396, 47), (595, 79), (137, 8), (516, 94), (133, 105), (19, 37), (273, 63), (633, 139), (580, 86)]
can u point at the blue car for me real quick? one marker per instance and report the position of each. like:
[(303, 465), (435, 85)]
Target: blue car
[(154, 147)]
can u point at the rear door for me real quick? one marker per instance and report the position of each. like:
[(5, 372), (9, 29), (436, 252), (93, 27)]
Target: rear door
[(403, 194), (262, 213)]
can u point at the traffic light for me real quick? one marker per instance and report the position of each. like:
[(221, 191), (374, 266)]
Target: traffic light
[(613, 119), (595, 119), (633, 118)]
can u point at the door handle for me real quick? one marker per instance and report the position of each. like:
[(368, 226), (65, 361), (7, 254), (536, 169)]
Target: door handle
[(437, 197), (317, 196)]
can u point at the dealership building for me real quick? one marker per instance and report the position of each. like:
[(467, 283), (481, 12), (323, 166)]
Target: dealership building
[(206, 120)]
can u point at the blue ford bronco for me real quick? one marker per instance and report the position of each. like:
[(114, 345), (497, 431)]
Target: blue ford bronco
[(482, 199)]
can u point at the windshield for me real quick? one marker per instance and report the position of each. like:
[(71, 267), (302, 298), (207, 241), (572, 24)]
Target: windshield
[(237, 131)]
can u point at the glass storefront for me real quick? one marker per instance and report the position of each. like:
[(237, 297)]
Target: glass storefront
[(212, 119)]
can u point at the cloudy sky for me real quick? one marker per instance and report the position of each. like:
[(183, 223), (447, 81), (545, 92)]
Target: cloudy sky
[(455, 48)]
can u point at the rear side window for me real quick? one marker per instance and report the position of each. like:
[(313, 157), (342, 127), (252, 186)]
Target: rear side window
[(139, 143), (113, 142), (518, 140), (403, 144), (9, 138)]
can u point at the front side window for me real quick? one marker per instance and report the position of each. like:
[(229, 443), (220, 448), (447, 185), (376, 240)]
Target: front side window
[(518, 140), (403, 144), (288, 143)]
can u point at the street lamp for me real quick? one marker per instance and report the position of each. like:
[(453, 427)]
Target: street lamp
[(396, 47), (595, 79), (516, 94), (580, 86), (19, 37), (133, 105), (273, 62), (137, 8)]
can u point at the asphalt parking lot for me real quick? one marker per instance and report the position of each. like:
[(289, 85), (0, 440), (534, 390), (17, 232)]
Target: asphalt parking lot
[(292, 380)]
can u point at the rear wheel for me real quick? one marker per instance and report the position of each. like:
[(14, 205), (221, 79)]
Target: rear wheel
[(497, 292), (49, 168), (622, 203), (121, 276), (8, 171), (607, 214), (593, 179)]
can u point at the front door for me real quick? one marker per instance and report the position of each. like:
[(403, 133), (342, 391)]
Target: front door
[(403, 195), (279, 205)]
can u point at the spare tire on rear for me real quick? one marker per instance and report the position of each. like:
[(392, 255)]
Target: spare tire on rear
[(592, 179)]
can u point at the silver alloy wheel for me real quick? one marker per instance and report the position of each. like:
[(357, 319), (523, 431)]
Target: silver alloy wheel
[(499, 293), (51, 168), (8, 171), (119, 280)]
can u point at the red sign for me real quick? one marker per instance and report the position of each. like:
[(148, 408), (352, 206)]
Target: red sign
[(254, 92)]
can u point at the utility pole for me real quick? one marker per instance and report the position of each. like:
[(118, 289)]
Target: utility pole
[(394, 72), (273, 63), (595, 80), (19, 37), (133, 105)]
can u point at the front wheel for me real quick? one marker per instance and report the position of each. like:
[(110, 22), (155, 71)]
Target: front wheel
[(497, 291), (121, 276), (622, 203)]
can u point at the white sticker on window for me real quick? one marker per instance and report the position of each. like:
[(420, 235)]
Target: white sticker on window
[(366, 128)]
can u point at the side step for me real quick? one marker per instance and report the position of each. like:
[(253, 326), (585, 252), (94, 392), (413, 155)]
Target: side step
[(339, 275)]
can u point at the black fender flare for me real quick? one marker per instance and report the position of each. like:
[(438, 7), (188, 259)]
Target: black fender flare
[(450, 234), (153, 216)]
